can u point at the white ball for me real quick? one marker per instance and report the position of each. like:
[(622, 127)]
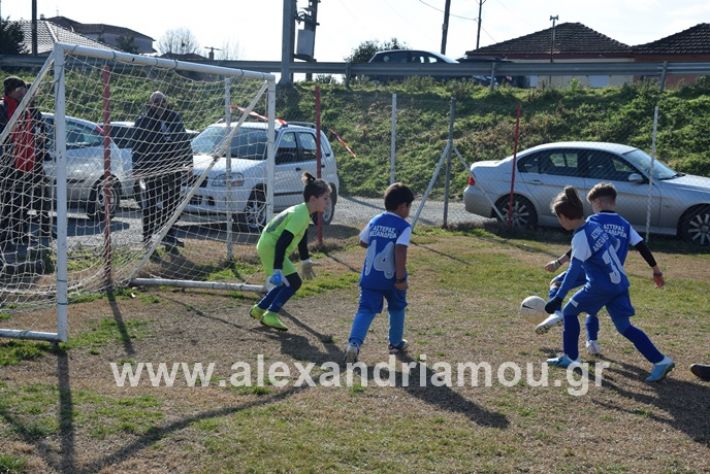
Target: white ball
[(532, 310)]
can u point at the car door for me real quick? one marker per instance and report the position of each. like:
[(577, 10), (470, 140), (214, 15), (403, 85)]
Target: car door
[(288, 187), (546, 173), (632, 197)]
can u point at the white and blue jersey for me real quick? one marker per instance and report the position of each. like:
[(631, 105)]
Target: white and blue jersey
[(620, 231), (594, 256), (382, 234)]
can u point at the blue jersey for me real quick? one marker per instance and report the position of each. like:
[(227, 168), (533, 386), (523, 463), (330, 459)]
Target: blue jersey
[(382, 234), (593, 254), (620, 231)]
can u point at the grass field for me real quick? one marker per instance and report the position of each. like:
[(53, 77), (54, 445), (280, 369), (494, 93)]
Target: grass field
[(61, 409)]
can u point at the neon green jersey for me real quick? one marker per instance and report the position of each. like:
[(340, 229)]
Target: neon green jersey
[(295, 219)]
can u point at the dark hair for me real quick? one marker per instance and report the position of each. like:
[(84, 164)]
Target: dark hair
[(11, 83), (568, 204), (313, 186), (396, 194), (602, 191)]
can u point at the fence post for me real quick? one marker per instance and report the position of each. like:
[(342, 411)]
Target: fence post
[(107, 184), (393, 138), (449, 148), (319, 221), (650, 173)]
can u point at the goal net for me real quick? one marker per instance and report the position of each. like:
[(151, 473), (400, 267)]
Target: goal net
[(107, 180)]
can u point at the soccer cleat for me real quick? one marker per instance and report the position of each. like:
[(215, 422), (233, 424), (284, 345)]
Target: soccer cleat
[(593, 348), (256, 312), (398, 349), (351, 353), (562, 361), (555, 319), (273, 321), (701, 371), (660, 370)]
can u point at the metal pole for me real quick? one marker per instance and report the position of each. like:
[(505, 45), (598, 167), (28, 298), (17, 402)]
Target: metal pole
[(433, 180), (61, 170), (650, 173), (270, 148), (393, 139), (449, 148), (34, 27), (515, 155), (228, 167), (445, 26), (107, 184), (480, 12), (552, 46), (287, 42)]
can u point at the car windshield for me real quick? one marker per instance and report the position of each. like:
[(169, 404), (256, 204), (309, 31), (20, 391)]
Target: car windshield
[(642, 161), (247, 143)]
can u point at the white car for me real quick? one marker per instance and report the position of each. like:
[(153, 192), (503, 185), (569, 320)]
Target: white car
[(85, 166), (679, 203), (296, 153)]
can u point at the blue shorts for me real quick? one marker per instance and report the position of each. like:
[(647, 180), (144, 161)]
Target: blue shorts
[(373, 300), (618, 305)]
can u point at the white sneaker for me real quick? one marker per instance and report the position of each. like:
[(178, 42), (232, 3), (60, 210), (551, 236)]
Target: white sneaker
[(351, 353), (554, 319), (593, 348)]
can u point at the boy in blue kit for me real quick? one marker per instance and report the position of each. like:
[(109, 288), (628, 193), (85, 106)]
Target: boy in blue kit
[(384, 273), (606, 285), (602, 197)]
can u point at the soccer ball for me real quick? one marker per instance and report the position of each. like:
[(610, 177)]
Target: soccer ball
[(532, 309)]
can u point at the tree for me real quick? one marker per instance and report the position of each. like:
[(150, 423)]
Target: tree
[(178, 41), (228, 52), (11, 37), (127, 44), (367, 49)]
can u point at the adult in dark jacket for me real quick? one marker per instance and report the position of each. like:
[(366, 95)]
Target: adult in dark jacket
[(22, 183), (162, 158)]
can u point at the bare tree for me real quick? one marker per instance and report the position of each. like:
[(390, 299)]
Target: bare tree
[(228, 51), (178, 41)]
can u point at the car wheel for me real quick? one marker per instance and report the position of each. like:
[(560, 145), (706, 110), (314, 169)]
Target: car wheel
[(253, 217), (695, 225), (524, 214), (95, 205)]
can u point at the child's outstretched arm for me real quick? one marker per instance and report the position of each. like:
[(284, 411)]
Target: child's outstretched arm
[(648, 256), (553, 265)]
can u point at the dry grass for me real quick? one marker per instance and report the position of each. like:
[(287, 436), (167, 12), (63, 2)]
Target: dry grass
[(63, 412)]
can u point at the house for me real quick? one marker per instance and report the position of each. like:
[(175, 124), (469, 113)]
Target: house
[(117, 37), (573, 42), (688, 45), (49, 33)]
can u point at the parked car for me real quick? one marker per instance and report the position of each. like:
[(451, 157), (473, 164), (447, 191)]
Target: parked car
[(680, 203), (412, 56), (85, 166), (295, 153), (515, 81)]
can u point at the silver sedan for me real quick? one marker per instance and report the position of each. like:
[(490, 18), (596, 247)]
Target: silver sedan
[(678, 204)]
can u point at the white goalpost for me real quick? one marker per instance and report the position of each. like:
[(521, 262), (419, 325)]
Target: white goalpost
[(106, 182)]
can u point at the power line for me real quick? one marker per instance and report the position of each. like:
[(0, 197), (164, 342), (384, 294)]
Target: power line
[(461, 17)]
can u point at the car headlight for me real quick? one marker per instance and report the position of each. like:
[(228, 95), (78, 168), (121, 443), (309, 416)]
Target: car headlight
[(236, 179)]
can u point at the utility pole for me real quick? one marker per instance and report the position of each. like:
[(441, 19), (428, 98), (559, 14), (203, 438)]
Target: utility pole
[(445, 26), (287, 40), (34, 27), (480, 10), (553, 19)]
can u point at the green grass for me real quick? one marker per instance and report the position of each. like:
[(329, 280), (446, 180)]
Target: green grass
[(12, 464), (13, 352), (105, 332)]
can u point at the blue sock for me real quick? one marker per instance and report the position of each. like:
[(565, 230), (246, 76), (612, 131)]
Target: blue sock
[(570, 336), (269, 297), (643, 344), (396, 326), (592, 325), (361, 324), (281, 297)]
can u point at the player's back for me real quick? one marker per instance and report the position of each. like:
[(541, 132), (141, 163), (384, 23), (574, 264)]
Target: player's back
[(602, 266), (381, 235), (620, 231)]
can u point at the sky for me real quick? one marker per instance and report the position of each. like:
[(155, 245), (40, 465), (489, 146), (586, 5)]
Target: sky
[(251, 29)]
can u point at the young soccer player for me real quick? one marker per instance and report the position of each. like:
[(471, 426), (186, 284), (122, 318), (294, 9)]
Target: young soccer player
[(384, 273), (602, 197), (606, 286), (285, 232)]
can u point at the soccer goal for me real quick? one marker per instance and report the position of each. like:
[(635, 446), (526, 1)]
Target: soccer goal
[(122, 169)]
